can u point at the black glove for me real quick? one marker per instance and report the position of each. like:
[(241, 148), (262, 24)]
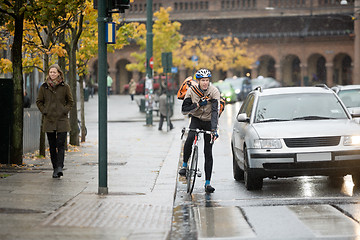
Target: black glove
[(214, 135), (202, 102)]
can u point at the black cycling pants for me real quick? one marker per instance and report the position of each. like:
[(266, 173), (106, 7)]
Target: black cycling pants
[(203, 125)]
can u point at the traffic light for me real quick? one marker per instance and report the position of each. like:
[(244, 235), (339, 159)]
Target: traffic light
[(115, 6), (118, 5)]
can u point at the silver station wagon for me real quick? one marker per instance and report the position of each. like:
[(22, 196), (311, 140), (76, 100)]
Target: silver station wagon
[(294, 131)]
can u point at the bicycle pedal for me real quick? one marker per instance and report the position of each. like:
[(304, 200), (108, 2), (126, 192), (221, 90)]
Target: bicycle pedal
[(198, 173)]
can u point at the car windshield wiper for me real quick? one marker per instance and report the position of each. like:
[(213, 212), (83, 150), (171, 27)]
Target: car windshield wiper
[(273, 120), (312, 118)]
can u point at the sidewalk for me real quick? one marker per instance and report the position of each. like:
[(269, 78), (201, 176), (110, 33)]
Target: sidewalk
[(142, 172)]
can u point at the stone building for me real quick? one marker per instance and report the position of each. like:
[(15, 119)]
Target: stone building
[(298, 42)]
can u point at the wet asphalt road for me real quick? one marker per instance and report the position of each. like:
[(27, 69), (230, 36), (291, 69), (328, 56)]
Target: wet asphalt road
[(291, 208)]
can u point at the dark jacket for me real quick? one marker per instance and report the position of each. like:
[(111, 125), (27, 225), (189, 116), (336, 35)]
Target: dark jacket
[(26, 102), (55, 104)]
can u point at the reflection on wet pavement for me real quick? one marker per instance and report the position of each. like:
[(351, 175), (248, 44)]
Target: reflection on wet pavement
[(221, 222), (348, 186), (325, 220)]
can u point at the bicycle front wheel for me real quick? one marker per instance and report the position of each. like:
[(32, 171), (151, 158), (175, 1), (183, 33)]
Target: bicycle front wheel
[(191, 175)]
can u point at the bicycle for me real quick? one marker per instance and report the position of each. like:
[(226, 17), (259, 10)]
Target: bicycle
[(193, 171), (79, 128)]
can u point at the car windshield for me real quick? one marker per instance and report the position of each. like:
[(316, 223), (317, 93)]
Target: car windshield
[(298, 106), (351, 97)]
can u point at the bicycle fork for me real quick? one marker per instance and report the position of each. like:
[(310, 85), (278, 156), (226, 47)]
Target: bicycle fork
[(198, 171)]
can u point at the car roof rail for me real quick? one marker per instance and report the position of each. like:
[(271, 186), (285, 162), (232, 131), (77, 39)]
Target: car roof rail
[(258, 88), (322, 85)]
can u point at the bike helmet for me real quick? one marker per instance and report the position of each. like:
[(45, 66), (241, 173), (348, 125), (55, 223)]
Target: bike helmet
[(203, 73)]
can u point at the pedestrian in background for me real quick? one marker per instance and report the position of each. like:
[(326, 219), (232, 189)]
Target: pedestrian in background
[(132, 89), (54, 102), (91, 86), (165, 110), (26, 100), (109, 84)]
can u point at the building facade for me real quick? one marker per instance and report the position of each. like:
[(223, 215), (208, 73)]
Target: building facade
[(298, 42)]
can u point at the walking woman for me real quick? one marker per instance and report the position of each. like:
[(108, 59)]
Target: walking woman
[(54, 102)]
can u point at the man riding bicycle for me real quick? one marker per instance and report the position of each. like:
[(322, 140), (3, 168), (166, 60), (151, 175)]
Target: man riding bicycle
[(202, 103)]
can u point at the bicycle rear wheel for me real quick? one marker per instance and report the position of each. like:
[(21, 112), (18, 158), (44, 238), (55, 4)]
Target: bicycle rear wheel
[(191, 174)]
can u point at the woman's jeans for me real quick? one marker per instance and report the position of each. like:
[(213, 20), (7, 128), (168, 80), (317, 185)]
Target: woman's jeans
[(57, 148)]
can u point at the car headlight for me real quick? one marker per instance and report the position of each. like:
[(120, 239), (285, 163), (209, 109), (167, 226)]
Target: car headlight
[(351, 140), (228, 94), (267, 143), (237, 91)]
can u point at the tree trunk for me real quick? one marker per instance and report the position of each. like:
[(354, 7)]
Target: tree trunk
[(74, 133), (62, 65), (82, 111), (16, 149), (46, 68), (71, 50)]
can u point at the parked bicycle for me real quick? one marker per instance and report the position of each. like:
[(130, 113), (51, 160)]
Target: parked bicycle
[(193, 171), (79, 128)]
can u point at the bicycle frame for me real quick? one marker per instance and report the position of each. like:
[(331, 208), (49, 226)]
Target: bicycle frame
[(193, 171)]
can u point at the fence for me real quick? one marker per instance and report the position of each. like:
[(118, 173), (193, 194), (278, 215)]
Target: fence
[(32, 124)]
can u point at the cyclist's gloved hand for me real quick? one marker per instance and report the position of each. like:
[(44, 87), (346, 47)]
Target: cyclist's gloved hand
[(214, 135), (202, 102)]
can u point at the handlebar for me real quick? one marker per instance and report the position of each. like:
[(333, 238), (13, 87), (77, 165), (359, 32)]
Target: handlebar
[(183, 130)]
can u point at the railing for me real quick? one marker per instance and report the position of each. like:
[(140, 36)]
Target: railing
[(32, 124)]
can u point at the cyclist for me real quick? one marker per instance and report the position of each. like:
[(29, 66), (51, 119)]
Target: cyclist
[(202, 103)]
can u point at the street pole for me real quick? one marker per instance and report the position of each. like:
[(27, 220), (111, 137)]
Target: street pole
[(356, 71), (149, 53), (102, 69)]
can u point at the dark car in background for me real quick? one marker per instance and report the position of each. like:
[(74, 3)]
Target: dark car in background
[(140, 86), (350, 95), (241, 85)]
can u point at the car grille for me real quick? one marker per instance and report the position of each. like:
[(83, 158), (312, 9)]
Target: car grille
[(312, 142)]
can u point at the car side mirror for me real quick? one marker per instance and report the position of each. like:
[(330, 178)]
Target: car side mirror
[(355, 113), (242, 117)]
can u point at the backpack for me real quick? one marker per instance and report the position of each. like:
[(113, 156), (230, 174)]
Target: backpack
[(222, 105), (189, 82)]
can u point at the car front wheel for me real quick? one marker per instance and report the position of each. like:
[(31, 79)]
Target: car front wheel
[(237, 171), (252, 181), (356, 179)]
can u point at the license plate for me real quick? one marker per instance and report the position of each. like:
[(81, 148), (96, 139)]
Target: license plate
[(313, 157)]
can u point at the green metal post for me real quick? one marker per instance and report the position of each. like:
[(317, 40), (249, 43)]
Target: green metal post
[(149, 52), (102, 73)]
